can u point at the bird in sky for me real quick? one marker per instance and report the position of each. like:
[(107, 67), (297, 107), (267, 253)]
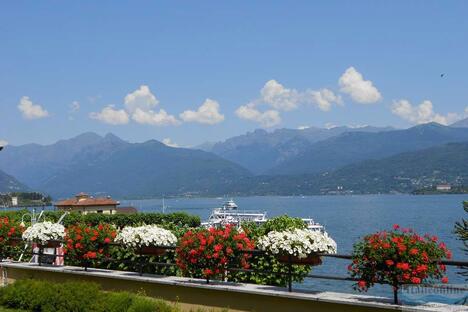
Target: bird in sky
[(442, 75)]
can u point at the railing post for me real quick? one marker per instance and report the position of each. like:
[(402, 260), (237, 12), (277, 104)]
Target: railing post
[(39, 258), (140, 262), (290, 273), (395, 291)]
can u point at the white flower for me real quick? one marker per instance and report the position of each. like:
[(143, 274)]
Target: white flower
[(146, 235), (297, 242), (41, 232)]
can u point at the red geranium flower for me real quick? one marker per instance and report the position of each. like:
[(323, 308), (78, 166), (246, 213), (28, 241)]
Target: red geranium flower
[(209, 252), (409, 258)]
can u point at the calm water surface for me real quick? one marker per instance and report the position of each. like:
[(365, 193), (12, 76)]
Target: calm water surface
[(346, 218)]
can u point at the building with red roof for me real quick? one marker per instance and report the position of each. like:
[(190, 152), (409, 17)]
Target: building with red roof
[(84, 203)]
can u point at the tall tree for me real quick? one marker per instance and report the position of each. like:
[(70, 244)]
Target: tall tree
[(461, 229)]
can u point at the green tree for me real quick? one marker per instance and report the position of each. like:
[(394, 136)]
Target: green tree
[(267, 263), (461, 229)]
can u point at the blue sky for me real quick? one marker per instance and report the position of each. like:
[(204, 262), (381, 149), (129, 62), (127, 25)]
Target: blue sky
[(197, 71)]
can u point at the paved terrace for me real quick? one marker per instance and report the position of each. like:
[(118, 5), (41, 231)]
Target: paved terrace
[(192, 293)]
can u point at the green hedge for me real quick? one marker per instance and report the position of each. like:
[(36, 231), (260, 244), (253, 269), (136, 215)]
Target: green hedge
[(120, 220), (44, 296)]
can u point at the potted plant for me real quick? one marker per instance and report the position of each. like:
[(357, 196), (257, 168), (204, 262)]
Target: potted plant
[(147, 239), (10, 236), (209, 252), (86, 243), (46, 234), (297, 246), (398, 257)]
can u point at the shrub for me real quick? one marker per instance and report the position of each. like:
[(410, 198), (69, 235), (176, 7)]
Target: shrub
[(209, 252), (283, 223), (10, 234), (270, 263), (45, 296), (143, 304), (119, 220), (461, 229), (397, 257), (88, 243), (118, 301)]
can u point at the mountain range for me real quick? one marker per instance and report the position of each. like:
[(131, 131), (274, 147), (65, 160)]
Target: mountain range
[(109, 165), (260, 151), (285, 161), (351, 147), (402, 173), (461, 123)]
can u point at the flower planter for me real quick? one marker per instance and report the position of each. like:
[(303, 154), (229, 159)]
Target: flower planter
[(151, 250), (13, 242), (309, 260), (51, 244), (47, 259)]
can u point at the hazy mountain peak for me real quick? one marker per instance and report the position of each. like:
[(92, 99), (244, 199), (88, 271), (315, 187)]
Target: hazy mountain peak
[(113, 138), (460, 124), (86, 136)]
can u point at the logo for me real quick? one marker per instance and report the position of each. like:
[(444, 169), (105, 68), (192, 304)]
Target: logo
[(455, 295)]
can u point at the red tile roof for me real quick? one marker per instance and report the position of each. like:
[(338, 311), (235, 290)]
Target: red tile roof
[(85, 200)]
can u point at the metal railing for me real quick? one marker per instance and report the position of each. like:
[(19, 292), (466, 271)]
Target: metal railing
[(143, 261)]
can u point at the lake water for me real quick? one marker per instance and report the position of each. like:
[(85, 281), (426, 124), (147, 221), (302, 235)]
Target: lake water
[(346, 219)]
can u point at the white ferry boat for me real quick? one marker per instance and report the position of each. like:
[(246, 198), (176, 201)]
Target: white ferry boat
[(229, 213)]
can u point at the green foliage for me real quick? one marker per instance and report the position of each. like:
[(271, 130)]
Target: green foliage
[(283, 223), (461, 229), (176, 219), (10, 237), (269, 263), (45, 296), (398, 257), (143, 304)]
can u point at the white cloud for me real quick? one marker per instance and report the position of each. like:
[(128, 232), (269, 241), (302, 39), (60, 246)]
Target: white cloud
[(74, 107), (168, 142), (207, 113), (3, 143), (141, 98), (267, 119), (30, 110), (110, 115), (279, 97), (303, 127), (161, 118), (323, 98), (361, 91), (422, 113)]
